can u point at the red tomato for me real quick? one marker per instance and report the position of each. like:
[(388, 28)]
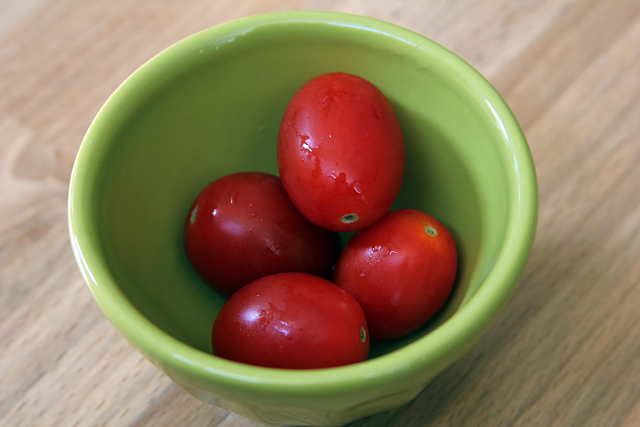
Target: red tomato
[(341, 152), (243, 226), (401, 270), (291, 321)]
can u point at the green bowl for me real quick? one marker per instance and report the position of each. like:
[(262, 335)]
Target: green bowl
[(211, 105)]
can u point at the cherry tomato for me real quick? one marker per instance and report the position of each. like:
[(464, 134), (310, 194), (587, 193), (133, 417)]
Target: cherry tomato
[(243, 226), (401, 270), (291, 321), (341, 152)]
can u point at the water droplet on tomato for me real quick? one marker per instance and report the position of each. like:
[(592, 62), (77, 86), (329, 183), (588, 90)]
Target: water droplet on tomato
[(304, 143), (233, 196)]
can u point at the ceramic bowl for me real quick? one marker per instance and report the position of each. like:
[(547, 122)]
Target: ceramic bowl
[(211, 105)]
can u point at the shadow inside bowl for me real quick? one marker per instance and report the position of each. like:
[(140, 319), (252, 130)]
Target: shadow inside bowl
[(425, 189)]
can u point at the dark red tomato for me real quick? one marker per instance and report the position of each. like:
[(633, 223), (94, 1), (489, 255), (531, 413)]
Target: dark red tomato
[(341, 152), (401, 270), (243, 226), (291, 321)]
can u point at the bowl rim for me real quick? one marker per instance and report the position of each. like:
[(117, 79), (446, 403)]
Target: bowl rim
[(455, 336)]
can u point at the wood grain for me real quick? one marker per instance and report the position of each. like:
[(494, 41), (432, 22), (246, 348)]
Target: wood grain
[(566, 351)]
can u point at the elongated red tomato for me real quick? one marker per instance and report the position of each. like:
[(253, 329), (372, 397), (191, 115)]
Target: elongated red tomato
[(291, 321), (401, 270), (341, 152), (243, 226)]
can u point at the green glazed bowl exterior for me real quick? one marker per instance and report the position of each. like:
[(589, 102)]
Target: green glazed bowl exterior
[(211, 105)]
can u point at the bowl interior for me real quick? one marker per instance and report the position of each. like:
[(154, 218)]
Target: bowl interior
[(213, 107)]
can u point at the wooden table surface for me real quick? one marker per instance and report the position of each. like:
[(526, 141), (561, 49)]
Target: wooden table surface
[(565, 352)]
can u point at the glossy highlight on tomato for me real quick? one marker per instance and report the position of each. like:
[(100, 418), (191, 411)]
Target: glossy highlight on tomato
[(341, 152), (291, 321), (401, 270), (243, 226)]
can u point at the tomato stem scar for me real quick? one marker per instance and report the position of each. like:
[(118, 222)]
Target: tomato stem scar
[(363, 334), (430, 231), (349, 218)]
